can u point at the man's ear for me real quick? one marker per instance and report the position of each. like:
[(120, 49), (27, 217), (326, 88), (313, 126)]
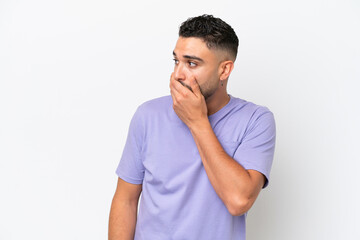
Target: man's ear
[(225, 69)]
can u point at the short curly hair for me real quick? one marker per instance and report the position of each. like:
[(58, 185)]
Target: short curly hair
[(216, 33)]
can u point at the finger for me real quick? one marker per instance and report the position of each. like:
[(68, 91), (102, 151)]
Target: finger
[(173, 96), (173, 86), (195, 87), (180, 87), (175, 93)]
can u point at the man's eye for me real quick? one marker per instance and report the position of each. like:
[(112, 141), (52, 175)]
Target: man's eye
[(176, 61), (192, 64)]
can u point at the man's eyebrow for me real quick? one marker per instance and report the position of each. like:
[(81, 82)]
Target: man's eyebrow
[(190, 57)]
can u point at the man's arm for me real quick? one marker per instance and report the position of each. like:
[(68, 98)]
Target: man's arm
[(237, 187), (123, 213)]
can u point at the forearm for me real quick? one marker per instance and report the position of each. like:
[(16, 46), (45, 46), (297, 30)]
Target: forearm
[(122, 220), (229, 179)]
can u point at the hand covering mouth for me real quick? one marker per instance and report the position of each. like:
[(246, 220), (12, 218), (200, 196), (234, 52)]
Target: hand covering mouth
[(184, 84)]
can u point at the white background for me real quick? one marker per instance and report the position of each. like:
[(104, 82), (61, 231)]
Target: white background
[(73, 72)]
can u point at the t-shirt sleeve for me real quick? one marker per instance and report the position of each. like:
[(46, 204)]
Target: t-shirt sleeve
[(130, 167), (256, 150)]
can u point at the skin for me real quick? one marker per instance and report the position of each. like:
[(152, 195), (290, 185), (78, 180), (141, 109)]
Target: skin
[(196, 92), (194, 61), (123, 212)]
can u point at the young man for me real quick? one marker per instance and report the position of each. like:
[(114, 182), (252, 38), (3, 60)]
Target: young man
[(200, 156)]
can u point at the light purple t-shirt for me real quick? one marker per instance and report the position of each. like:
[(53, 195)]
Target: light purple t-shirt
[(178, 201)]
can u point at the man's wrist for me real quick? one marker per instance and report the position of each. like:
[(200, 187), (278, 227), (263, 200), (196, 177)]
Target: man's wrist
[(200, 126)]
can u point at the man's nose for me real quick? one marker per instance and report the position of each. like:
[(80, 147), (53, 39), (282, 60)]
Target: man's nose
[(179, 74)]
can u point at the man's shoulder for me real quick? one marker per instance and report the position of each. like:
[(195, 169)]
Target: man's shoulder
[(155, 105), (249, 107)]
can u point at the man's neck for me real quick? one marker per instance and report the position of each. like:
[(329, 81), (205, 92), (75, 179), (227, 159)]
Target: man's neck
[(217, 101)]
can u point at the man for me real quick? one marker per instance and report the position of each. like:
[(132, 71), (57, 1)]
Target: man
[(199, 156)]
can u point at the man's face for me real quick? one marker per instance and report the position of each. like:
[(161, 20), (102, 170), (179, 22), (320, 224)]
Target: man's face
[(193, 59)]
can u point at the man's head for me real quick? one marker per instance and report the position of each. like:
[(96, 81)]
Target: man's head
[(206, 51), (216, 33)]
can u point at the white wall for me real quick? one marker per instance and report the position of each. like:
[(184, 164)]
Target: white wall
[(73, 72)]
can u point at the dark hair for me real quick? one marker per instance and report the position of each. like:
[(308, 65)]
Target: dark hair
[(215, 32)]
